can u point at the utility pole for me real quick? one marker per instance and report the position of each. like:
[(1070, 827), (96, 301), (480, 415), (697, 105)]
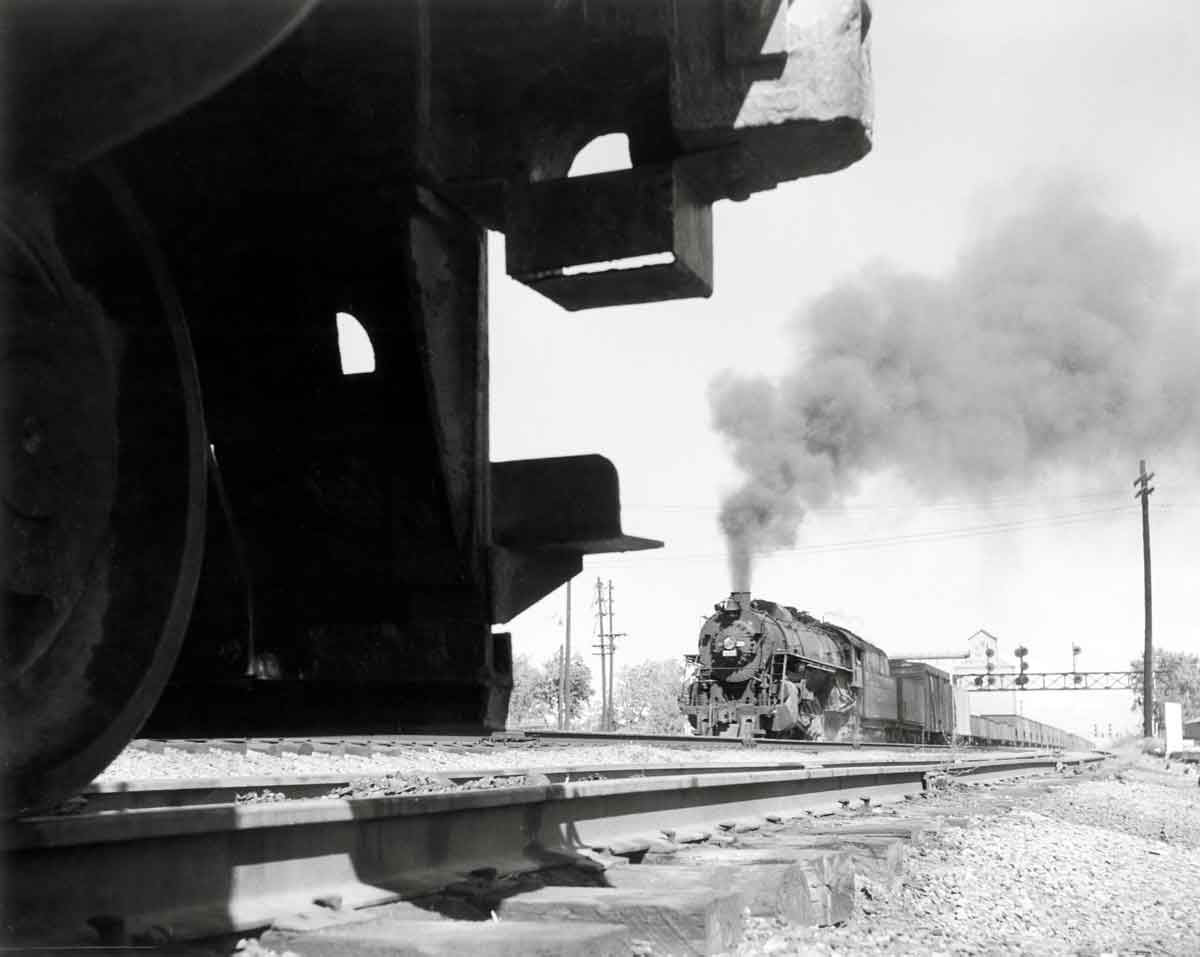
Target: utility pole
[(564, 671), (1144, 491), (610, 723), (603, 649), (612, 650)]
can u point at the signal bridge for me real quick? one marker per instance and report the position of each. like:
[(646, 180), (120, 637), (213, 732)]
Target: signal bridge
[(1049, 681)]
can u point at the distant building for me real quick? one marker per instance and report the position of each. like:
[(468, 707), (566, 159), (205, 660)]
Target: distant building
[(975, 661), (979, 644), (1191, 730)]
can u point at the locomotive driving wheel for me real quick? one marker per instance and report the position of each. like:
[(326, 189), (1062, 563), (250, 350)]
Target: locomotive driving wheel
[(102, 483)]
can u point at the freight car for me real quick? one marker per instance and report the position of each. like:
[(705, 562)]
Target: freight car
[(209, 523), (772, 670), (1019, 730)]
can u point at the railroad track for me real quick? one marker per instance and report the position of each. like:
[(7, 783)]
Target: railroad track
[(179, 792), (138, 874), (382, 744), (601, 737)]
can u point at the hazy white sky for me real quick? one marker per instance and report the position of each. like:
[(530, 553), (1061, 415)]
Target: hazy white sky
[(974, 101)]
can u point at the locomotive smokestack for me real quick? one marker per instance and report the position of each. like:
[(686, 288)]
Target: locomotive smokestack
[(737, 601)]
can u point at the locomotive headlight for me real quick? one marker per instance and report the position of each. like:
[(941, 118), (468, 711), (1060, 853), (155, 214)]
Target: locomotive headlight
[(729, 643)]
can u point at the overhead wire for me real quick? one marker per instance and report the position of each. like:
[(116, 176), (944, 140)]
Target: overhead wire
[(962, 505), (931, 536)]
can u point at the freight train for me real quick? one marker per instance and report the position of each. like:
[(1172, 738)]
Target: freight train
[(770, 670)]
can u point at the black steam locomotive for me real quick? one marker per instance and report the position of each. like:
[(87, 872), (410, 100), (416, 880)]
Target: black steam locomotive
[(764, 669)]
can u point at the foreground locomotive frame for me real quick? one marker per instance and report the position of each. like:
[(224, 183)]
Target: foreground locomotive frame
[(192, 192)]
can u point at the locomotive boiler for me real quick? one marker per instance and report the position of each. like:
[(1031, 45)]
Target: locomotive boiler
[(768, 669)]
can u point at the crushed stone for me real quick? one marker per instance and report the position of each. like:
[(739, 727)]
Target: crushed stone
[(1084, 866)]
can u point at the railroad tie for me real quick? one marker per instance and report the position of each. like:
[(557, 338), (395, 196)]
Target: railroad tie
[(807, 886), (689, 919), (412, 933)]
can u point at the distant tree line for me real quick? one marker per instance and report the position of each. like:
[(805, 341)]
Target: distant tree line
[(646, 695), (1176, 678)]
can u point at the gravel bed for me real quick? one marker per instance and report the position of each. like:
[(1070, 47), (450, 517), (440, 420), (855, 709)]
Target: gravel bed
[(1093, 865), (134, 764), (400, 783)]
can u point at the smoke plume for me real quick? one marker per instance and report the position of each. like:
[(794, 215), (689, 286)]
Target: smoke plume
[(1063, 338)]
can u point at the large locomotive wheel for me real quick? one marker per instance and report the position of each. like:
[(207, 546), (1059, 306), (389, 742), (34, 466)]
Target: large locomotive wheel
[(102, 483)]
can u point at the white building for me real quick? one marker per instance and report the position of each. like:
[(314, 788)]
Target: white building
[(974, 660)]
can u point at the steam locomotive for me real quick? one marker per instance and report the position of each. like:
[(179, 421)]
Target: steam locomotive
[(770, 670)]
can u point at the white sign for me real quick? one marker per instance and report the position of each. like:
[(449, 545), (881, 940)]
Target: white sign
[(1173, 725)]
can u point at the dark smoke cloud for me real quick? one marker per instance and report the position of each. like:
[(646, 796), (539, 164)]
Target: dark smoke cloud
[(1064, 338)]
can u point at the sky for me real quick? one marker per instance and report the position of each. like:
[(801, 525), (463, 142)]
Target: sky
[(977, 106)]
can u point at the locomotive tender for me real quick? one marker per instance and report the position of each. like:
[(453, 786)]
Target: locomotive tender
[(764, 669)]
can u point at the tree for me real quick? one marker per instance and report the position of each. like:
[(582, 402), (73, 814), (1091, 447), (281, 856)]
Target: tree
[(647, 697), (579, 683), (534, 698), (525, 706), (1176, 678)]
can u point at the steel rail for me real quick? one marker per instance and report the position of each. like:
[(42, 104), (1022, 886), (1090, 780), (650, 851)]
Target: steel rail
[(611, 737), (366, 742), (178, 792), (184, 873)]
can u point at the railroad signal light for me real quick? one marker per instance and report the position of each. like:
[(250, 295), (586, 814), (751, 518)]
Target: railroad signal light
[(979, 681), (991, 680), (1022, 679)]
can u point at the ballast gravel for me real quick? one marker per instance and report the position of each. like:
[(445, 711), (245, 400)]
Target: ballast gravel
[(170, 763), (1104, 864)]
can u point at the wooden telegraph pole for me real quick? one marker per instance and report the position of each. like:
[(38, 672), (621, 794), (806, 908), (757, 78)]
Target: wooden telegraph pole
[(602, 647), (609, 721), (564, 672), (1144, 490)]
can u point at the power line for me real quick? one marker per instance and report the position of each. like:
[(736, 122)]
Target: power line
[(934, 506), (927, 537)]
